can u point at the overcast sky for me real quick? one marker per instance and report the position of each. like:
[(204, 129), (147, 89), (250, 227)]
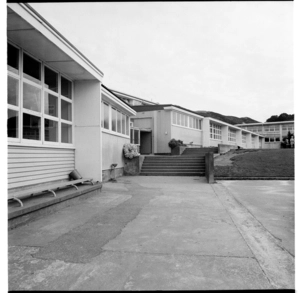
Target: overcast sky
[(234, 58)]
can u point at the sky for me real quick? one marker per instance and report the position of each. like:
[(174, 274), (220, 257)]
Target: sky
[(234, 58)]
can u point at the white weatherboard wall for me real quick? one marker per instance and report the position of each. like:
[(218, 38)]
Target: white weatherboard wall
[(87, 108), (36, 165)]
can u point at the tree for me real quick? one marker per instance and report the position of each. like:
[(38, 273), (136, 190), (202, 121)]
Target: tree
[(281, 117)]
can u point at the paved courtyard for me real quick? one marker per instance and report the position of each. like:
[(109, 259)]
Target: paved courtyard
[(161, 233)]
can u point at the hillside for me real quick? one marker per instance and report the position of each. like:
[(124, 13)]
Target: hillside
[(228, 119)]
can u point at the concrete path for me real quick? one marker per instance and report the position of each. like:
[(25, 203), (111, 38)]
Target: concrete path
[(156, 233)]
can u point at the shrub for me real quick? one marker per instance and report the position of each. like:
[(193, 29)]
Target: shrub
[(173, 143), (130, 151)]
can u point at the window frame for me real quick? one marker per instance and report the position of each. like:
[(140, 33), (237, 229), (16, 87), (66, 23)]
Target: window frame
[(186, 121), (118, 112), (42, 115)]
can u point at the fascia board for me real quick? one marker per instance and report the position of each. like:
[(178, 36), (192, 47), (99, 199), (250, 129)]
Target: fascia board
[(28, 14)]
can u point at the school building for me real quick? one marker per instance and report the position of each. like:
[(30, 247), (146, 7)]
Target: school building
[(273, 132), (60, 115)]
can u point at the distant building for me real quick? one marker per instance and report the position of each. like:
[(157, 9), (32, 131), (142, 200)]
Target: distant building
[(155, 125), (273, 132)]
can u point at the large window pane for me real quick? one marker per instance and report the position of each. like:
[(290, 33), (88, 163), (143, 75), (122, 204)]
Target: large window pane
[(31, 68), (66, 133), (66, 88), (119, 122), (174, 117), (113, 119), (66, 110), (31, 127), (123, 124), (12, 91), (127, 125), (13, 58), (31, 97), (136, 136), (12, 123), (51, 105), (51, 130), (131, 135), (51, 80), (106, 116)]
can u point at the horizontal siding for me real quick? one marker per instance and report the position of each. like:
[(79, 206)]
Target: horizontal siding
[(33, 165)]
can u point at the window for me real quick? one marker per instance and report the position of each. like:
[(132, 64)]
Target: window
[(231, 135), (50, 105), (215, 131), (31, 69), (123, 123), (31, 97), (127, 125), (186, 120), (267, 139), (31, 127), (12, 58), (66, 88), (51, 80), (119, 121), (51, 130), (136, 135), (12, 123), (113, 119), (105, 116), (13, 91), (244, 140), (39, 106), (66, 110), (66, 133)]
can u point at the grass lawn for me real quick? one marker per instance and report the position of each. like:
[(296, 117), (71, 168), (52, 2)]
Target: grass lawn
[(260, 163)]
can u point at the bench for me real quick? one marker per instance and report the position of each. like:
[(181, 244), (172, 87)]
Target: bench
[(16, 195)]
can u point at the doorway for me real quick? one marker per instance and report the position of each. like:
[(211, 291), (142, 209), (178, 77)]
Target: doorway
[(146, 142)]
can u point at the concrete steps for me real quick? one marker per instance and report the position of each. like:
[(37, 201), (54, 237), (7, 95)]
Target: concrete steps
[(193, 165)]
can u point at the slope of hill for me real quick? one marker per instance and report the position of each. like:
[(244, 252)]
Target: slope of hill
[(228, 119)]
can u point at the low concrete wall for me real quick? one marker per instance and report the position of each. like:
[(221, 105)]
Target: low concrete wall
[(132, 166), (177, 151), (209, 167), (224, 148)]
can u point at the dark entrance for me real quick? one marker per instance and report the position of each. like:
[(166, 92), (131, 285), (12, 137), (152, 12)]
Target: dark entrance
[(145, 142)]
